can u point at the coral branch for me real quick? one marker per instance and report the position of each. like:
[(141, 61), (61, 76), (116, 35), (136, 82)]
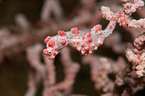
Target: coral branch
[(70, 69), (33, 56), (129, 8), (100, 68), (51, 6), (136, 55)]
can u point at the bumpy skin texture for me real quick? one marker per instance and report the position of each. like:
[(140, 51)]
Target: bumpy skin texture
[(83, 42)]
